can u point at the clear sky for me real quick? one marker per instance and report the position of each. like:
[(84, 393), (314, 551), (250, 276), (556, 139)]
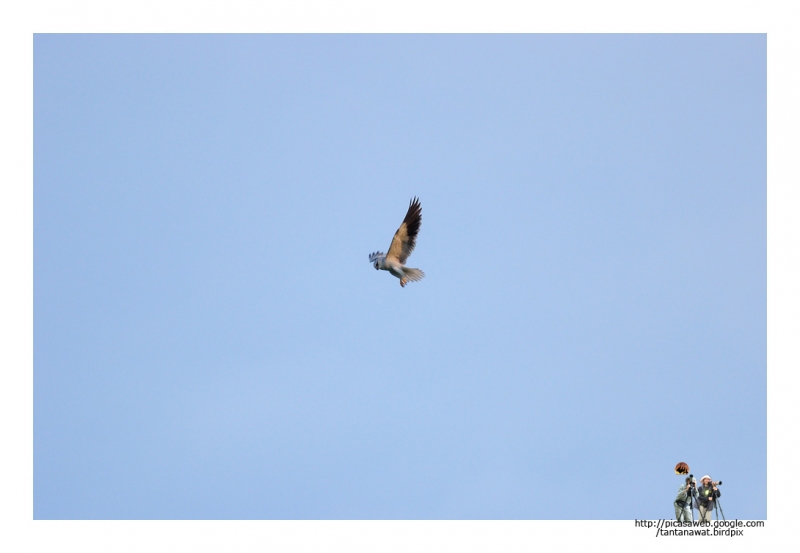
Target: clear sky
[(210, 340)]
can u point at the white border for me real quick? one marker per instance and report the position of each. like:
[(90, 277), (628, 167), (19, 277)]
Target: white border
[(20, 19)]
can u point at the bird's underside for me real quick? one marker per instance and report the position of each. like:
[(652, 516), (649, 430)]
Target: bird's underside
[(401, 247)]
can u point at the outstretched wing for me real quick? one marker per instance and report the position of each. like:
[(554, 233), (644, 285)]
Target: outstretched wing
[(406, 236)]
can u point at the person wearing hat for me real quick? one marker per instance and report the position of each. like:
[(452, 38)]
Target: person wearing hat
[(707, 494), (683, 503)]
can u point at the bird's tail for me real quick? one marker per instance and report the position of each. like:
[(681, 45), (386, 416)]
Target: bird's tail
[(413, 274)]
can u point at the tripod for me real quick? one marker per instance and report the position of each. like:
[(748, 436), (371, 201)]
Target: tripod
[(718, 505)]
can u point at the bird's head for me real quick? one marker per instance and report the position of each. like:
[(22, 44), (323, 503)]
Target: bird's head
[(377, 259)]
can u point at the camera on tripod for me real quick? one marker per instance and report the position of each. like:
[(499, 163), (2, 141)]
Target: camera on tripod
[(690, 496)]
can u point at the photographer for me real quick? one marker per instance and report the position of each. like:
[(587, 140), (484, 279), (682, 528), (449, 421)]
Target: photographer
[(683, 502), (707, 495)]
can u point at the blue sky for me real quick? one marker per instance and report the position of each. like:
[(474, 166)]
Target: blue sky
[(210, 340)]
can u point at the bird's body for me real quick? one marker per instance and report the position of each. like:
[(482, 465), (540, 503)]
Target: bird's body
[(401, 271), (402, 245)]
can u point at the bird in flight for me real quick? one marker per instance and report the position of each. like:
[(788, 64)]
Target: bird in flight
[(402, 245)]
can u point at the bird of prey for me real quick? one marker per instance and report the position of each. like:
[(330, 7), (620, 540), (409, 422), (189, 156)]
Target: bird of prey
[(402, 245)]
